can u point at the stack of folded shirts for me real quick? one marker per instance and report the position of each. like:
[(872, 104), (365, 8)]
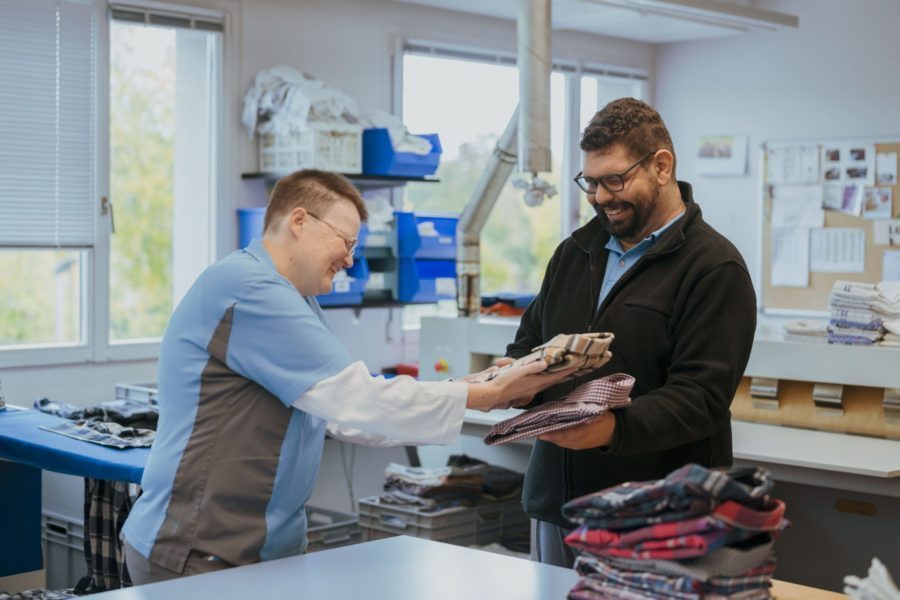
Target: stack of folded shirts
[(698, 533), (464, 481), (441, 487), (586, 402), (858, 311), (806, 330), (892, 334), (566, 350)]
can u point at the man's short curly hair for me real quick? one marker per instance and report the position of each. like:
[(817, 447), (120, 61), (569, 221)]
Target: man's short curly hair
[(630, 122)]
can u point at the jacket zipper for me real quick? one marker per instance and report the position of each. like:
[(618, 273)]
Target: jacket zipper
[(592, 300)]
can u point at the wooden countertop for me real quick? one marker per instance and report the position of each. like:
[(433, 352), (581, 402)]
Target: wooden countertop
[(783, 590)]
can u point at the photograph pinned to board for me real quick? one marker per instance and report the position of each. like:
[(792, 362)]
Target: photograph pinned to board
[(847, 199), (848, 163), (890, 266), (877, 203), (831, 164), (792, 164), (837, 250), (886, 168), (722, 155), (859, 166), (886, 233), (790, 257)]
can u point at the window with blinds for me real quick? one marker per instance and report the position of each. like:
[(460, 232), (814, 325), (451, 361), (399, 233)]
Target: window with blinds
[(47, 123)]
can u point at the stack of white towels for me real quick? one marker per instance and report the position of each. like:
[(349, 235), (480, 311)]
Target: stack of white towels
[(864, 313), (806, 330)]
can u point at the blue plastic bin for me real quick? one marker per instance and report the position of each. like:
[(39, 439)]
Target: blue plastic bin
[(437, 247), (250, 225), (349, 292), (426, 280), (379, 157)]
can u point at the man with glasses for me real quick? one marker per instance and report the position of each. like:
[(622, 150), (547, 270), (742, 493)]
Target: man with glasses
[(249, 378), (677, 296)]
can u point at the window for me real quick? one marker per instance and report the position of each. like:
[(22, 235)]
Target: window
[(47, 170), (40, 296), (71, 289), (163, 81), (517, 241)]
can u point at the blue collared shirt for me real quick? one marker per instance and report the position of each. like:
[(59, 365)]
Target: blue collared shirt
[(619, 261)]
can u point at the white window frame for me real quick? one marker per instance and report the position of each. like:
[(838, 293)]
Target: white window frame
[(95, 346)]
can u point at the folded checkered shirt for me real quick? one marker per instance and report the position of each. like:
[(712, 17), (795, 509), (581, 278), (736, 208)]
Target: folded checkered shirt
[(563, 351), (586, 402)]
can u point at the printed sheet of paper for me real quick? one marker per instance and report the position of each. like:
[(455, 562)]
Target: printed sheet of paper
[(890, 267), (877, 203), (837, 250), (886, 233), (790, 257), (792, 164), (886, 168), (797, 206)]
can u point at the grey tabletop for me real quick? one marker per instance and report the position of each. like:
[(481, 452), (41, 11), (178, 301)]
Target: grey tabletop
[(399, 568)]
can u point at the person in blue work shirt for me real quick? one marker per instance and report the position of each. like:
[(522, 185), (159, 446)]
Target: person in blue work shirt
[(250, 377), (679, 299)]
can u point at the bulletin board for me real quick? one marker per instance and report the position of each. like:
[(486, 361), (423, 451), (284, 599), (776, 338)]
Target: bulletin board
[(814, 298)]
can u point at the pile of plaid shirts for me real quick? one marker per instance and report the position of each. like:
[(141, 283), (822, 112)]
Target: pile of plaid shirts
[(585, 403), (698, 533), (464, 481), (862, 313)]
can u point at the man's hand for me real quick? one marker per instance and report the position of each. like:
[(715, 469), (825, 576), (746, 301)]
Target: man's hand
[(593, 434)]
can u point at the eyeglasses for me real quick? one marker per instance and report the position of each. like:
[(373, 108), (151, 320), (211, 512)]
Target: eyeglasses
[(611, 182), (349, 242)]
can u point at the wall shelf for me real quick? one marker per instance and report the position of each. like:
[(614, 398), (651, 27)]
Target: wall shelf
[(361, 181)]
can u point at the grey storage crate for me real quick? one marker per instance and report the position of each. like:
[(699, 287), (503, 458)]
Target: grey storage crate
[(378, 520), (330, 529), (499, 519), (141, 392), (63, 541)]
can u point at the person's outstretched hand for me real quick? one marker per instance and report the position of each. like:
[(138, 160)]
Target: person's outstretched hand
[(514, 386)]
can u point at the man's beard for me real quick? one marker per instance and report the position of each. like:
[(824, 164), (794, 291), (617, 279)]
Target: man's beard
[(626, 228)]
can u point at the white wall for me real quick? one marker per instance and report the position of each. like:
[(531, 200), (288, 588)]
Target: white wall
[(831, 78)]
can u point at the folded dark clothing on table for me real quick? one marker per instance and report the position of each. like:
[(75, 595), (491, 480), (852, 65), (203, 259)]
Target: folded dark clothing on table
[(132, 413), (499, 482), (104, 434)]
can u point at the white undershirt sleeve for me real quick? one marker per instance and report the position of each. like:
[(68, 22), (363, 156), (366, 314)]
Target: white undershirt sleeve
[(379, 411)]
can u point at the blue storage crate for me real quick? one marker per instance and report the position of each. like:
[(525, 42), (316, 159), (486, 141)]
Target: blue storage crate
[(379, 157), (348, 292), (426, 280), (250, 225), (411, 244)]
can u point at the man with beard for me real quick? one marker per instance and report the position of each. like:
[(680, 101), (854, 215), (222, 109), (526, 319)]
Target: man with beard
[(677, 296)]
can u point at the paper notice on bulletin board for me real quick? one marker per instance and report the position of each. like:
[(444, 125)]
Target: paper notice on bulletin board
[(890, 269), (837, 250), (886, 233), (792, 164), (790, 257)]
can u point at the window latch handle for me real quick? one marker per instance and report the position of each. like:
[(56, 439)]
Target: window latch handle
[(106, 206)]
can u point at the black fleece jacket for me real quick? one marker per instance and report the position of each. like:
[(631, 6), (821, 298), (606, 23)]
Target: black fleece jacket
[(684, 317)]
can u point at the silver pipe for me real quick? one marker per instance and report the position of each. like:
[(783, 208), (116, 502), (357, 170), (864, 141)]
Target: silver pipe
[(535, 63), (478, 209)]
